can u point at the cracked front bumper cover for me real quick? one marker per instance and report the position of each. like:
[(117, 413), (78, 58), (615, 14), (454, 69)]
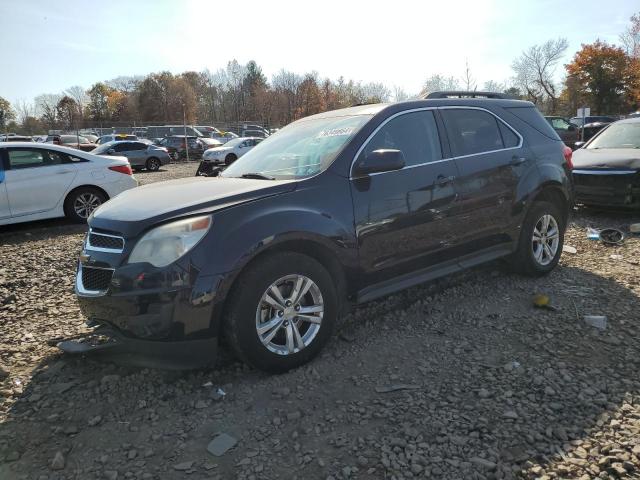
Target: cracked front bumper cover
[(158, 354)]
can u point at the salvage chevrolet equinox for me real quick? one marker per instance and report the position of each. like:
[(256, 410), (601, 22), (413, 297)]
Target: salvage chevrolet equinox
[(334, 210)]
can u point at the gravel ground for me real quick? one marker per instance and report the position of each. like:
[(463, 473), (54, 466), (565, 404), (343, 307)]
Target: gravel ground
[(457, 379)]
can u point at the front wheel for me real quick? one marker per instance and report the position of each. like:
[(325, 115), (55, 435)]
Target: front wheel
[(541, 240), (281, 312), (81, 203)]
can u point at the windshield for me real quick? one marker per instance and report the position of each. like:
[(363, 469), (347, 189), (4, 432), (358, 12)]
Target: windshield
[(618, 135), (300, 150), (235, 142)]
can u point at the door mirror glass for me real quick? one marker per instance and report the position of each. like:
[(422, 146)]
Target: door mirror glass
[(111, 151), (382, 160)]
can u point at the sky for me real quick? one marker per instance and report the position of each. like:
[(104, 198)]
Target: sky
[(50, 46)]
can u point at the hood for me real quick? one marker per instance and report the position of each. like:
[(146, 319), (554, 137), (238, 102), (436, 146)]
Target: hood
[(606, 158), (135, 210)]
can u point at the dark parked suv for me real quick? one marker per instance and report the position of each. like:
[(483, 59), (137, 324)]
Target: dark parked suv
[(334, 210)]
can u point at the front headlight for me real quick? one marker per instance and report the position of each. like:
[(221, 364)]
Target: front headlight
[(167, 243)]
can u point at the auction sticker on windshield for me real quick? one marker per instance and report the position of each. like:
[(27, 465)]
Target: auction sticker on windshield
[(336, 132)]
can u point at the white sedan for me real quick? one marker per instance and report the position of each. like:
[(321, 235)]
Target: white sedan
[(40, 181), (230, 151)]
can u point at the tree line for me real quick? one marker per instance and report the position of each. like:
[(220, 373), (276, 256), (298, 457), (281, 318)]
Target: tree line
[(604, 76)]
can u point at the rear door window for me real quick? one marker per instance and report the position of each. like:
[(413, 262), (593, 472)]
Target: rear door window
[(138, 146), (472, 131)]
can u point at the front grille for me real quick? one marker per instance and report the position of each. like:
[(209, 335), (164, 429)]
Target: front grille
[(104, 241), (96, 279)]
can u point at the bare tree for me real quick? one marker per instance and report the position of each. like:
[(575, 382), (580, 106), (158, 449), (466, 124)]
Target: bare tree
[(535, 68), (125, 83), (24, 110), (437, 83), (493, 86), (467, 80), (631, 37), (374, 93), (78, 94), (399, 94), (46, 108)]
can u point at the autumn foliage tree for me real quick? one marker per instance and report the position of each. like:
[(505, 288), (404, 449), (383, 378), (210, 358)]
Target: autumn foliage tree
[(603, 77)]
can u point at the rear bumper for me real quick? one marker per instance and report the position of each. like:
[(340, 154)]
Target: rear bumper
[(125, 183), (607, 188)]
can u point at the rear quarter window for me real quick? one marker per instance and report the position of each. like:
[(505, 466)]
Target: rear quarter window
[(532, 117)]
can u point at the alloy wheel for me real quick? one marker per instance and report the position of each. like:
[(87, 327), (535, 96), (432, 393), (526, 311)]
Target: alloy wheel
[(545, 240), (86, 203), (289, 315)]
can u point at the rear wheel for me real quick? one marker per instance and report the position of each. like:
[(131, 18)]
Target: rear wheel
[(153, 164), (281, 312), (229, 159), (541, 240), (81, 203)]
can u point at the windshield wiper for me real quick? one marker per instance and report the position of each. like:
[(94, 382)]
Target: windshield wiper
[(258, 176)]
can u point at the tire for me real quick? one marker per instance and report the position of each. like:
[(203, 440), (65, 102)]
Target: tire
[(531, 258), (229, 159), (246, 310), (153, 164), (81, 202)]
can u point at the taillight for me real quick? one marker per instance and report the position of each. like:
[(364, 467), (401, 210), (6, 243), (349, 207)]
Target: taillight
[(568, 155), (126, 169)]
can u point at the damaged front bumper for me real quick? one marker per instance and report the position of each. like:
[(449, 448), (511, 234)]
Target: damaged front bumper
[(176, 355), (607, 187)]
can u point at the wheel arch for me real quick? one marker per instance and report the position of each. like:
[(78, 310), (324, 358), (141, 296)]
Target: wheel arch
[(74, 189), (555, 193), (309, 247)]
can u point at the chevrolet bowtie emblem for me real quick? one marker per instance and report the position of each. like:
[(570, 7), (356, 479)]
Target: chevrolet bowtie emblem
[(84, 258)]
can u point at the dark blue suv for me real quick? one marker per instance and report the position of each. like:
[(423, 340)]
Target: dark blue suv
[(332, 211)]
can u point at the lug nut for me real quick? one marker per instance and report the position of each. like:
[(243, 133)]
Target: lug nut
[(280, 313), (297, 308), (287, 303)]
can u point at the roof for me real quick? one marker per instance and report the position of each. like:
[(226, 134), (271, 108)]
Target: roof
[(375, 108), (49, 146)]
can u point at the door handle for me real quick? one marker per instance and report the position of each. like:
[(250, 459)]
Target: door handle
[(442, 180), (60, 172), (515, 161)]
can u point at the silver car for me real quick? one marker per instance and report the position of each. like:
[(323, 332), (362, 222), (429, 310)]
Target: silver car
[(140, 154)]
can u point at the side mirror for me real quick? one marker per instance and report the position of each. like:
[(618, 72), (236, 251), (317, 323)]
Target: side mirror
[(111, 151), (579, 144), (383, 160)]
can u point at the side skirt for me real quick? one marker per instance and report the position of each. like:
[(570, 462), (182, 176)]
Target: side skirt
[(433, 272)]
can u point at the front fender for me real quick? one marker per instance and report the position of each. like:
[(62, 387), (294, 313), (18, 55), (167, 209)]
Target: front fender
[(316, 211)]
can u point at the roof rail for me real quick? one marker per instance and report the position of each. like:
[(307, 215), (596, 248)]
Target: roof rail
[(464, 94)]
